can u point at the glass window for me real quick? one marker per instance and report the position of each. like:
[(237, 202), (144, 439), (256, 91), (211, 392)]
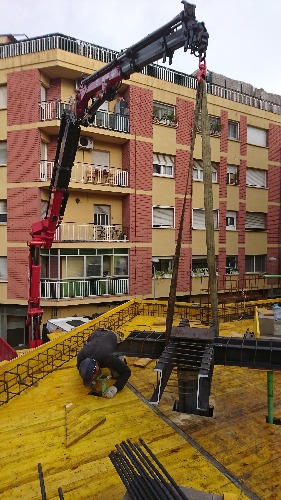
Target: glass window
[(94, 265), (163, 165), (233, 130), (120, 265), (230, 220), (232, 174), (198, 171), (163, 111), (255, 263), (256, 177), (3, 152), (231, 264), (163, 217), (3, 211), (102, 215), (3, 269), (163, 266), (3, 97), (74, 267)]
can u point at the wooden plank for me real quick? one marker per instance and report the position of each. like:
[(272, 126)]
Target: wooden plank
[(79, 422)]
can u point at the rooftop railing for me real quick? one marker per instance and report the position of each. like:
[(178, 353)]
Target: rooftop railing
[(69, 44)]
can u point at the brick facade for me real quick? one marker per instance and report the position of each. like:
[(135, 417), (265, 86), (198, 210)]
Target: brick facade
[(23, 97), (17, 273), (24, 209), (23, 155)]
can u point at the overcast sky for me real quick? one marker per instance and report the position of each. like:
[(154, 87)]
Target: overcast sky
[(244, 41)]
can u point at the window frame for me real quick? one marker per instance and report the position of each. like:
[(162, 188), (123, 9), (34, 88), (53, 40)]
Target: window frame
[(254, 259), (159, 160), (3, 268), (236, 136), (216, 219), (3, 163), (4, 212), (255, 215), (231, 214), (258, 172), (162, 226)]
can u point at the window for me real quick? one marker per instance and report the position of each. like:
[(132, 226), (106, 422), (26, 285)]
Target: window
[(232, 174), (214, 124), (93, 265), (233, 130), (231, 264), (230, 220), (163, 217), (16, 330), (256, 177), (3, 211), (3, 269), (255, 264), (3, 97), (163, 111), (3, 152), (163, 266), (120, 266), (102, 215), (163, 165), (256, 136), (101, 159), (198, 218), (255, 221), (199, 266), (198, 171)]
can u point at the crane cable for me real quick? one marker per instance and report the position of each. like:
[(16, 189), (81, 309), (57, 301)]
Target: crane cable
[(200, 106)]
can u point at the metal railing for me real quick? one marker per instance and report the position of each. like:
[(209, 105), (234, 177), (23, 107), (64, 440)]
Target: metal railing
[(71, 231), (53, 110), (75, 46), (94, 287), (89, 173)]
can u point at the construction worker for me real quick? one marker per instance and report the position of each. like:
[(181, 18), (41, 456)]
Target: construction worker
[(98, 352)]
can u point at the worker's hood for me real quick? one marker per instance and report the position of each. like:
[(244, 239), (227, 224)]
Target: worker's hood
[(65, 324)]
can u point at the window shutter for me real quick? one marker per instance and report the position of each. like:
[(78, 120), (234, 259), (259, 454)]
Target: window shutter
[(101, 159), (256, 136), (3, 153), (198, 219), (3, 268), (102, 215), (255, 221), (255, 177), (3, 97), (163, 217)]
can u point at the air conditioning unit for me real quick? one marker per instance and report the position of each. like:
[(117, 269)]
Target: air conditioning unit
[(85, 142)]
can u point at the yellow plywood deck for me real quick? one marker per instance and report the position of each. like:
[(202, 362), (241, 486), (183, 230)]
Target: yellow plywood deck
[(36, 427), (33, 430)]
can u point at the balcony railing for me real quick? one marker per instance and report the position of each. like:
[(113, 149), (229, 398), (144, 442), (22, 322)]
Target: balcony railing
[(75, 46), (52, 110), (71, 231), (94, 287), (86, 173)]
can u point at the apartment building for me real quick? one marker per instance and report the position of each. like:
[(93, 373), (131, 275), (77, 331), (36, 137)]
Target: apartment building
[(117, 238)]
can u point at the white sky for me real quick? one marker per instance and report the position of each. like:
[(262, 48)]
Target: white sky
[(244, 41)]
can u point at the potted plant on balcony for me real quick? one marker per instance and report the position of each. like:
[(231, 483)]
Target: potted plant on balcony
[(198, 272)]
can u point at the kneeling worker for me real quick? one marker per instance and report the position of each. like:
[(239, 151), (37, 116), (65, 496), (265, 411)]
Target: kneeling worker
[(98, 353)]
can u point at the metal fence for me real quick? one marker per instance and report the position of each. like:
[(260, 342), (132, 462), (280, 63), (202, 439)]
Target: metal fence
[(75, 46)]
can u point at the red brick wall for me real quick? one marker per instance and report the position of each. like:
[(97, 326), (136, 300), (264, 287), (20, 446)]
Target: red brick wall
[(221, 263), (241, 262), (187, 232), (240, 223), (138, 159), (24, 209), (51, 148), (224, 132), (242, 179), (140, 271), (182, 171), (243, 135), (140, 102), (23, 96), (17, 273), (54, 91), (222, 224), (274, 143), (185, 117), (222, 177), (23, 155), (184, 278), (273, 225)]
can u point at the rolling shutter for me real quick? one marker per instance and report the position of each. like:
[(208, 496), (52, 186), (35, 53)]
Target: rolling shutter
[(255, 221), (255, 177)]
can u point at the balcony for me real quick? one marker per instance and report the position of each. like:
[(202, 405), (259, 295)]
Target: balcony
[(82, 288), (53, 110), (71, 231), (85, 173)]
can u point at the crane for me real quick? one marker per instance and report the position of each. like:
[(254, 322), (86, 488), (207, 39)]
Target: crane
[(182, 31)]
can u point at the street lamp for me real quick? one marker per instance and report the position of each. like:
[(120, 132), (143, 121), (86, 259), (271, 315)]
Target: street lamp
[(154, 260), (271, 260)]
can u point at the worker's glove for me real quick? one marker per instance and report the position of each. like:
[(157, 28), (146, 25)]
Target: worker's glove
[(110, 393)]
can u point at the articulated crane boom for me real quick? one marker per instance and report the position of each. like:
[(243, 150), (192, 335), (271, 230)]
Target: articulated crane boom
[(182, 31)]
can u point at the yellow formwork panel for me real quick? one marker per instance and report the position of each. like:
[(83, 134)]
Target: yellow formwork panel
[(33, 430)]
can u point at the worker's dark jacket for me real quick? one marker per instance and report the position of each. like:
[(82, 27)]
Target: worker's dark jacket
[(100, 346)]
